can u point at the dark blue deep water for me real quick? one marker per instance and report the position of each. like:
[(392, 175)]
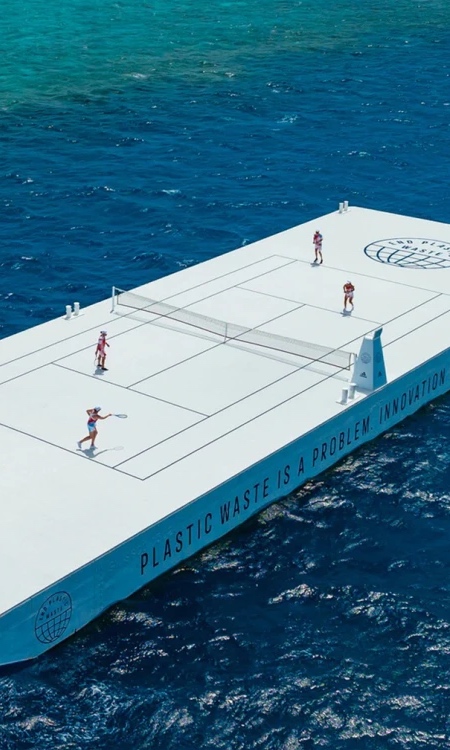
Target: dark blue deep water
[(138, 138)]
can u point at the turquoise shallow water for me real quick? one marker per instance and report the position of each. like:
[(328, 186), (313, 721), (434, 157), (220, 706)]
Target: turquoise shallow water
[(53, 51), (140, 138)]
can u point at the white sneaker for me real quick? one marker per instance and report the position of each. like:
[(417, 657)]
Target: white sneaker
[(79, 445)]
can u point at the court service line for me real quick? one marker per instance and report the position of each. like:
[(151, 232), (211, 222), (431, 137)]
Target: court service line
[(307, 304), (345, 273), (126, 388)]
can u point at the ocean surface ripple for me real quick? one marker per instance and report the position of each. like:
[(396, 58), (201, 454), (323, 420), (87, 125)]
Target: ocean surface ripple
[(141, 138)]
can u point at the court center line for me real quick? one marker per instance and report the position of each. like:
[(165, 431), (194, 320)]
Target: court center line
[(234, 429), (199, 354), (322, 377)]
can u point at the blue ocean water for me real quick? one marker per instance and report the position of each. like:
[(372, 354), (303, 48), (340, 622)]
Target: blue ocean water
[(139, 138)]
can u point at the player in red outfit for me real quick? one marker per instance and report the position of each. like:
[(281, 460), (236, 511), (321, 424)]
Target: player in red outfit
[(349, 291), (317, 241)]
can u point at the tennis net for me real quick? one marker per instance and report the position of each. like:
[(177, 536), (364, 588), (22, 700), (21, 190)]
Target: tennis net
[(232, 332)]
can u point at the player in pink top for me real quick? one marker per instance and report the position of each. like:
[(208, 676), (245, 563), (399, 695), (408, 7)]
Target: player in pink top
[(100, 352), (317, 241), (93, 417)]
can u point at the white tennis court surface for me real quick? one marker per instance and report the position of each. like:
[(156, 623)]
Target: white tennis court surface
[(200, 409)]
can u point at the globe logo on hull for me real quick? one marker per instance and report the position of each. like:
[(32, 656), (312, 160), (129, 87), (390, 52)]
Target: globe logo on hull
[(410, 252), (53, 617)]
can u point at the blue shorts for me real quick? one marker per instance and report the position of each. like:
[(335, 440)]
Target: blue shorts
[(92, 426)]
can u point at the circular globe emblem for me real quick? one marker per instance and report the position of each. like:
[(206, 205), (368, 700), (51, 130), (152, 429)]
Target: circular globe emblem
[(53, 617), (409, 252)]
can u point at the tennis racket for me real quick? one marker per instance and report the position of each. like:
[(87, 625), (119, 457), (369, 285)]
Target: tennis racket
[(120, 416)]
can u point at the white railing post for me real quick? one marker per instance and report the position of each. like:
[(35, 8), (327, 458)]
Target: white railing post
[(113, 298)]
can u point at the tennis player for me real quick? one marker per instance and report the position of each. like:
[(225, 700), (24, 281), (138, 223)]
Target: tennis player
[(317, 241), (349, 291), (93, 417), (100, 352)]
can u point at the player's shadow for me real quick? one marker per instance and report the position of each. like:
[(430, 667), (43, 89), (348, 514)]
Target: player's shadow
[(346, 313), (95, 452)]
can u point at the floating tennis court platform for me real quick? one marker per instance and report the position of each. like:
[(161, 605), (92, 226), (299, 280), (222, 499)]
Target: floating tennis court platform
[(242, 378)]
